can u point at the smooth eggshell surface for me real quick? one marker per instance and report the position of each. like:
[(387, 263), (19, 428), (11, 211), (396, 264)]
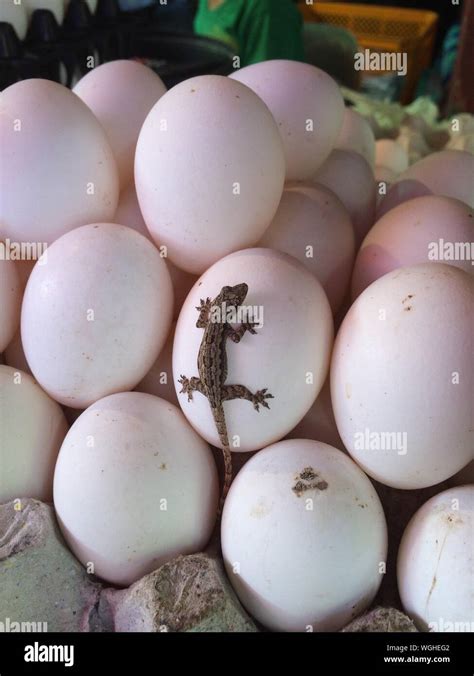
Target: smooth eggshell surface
[(319, 423), (303, 537), (134, 487), (32, 429), (350, 176), (435, 565), (209, 170), (415, 232), (159, 379), (400, 192), (448, 172), (356, 134), (307, 106), (54, 176), (401, 376), (96, 315), (121, 94), (289, 355), (128, 213), (10, 301), (312, 225)]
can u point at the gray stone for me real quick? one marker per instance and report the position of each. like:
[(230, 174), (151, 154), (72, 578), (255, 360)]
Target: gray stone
[(189, 594), (381, 620), (40, 580)]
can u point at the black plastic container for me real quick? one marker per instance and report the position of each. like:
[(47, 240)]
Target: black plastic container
[(177, 56), (15, 63)]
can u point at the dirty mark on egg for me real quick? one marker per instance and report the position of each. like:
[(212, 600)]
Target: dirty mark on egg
[(260, 510), (348, 390), (307, 480)]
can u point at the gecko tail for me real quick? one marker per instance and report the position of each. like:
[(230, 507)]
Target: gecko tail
[(224, 440)]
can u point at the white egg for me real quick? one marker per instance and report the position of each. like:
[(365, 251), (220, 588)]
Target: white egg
[(129, 214), (96, 315), (435, 567), (448, 172), (423, 229), (401, 375), (14, 354), (159, 379), (134, 487), (313, 225), (349, 175), (319, 423), (356, 134), (16, 16), (400, 191), (307, 106), (57, 171), (391, 155), (209, 170), (303, 537), (121, 94), (288, 356), (10, 300), (32, 430)]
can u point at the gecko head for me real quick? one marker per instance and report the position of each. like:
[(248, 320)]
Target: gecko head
[(235, 295)]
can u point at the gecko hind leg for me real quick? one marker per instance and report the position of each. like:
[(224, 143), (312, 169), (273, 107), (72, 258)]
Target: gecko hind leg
[(241, 392), (190, 385)]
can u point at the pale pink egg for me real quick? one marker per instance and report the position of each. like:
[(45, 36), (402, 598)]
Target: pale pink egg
[(431, 228), (143, 493), (401, 376), (57, 171), (319, 423), (209, 170), (349, 175), (356, 134), (14, 354), (159, 379), (312, 225), (307, 106), (399, 192), (129, 214), (32, 430), (121, 94), (96, 316), (288, 356), (11, 291), (448, 172)]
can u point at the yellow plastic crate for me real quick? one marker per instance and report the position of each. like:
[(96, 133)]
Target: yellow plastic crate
[(383, 29)]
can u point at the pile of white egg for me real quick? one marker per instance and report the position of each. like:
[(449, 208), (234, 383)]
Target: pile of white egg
[(148, 201)]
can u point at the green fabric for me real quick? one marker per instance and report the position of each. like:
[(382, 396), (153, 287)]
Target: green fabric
[(256, 30)]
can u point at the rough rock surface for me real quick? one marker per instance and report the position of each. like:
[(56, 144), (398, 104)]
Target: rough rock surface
[(381, 620), (40, 580), (189, 594)]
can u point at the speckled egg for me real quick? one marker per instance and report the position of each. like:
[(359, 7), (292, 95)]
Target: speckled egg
[(134, 487), (287, 357), (401, 376), (303, 537), (96, 316)]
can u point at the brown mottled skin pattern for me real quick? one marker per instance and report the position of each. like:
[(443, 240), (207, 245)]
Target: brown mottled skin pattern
[(212, 367)]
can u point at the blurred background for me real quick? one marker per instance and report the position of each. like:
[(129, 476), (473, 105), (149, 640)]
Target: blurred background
[(63, 39)]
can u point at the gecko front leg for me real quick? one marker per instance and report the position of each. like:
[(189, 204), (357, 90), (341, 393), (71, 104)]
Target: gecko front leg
[(190, 385), (236, 334), (241, 392)]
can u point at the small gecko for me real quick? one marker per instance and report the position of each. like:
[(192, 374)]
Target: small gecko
[(212, 366)]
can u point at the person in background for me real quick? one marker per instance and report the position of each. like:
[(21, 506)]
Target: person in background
[(257, 30)]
